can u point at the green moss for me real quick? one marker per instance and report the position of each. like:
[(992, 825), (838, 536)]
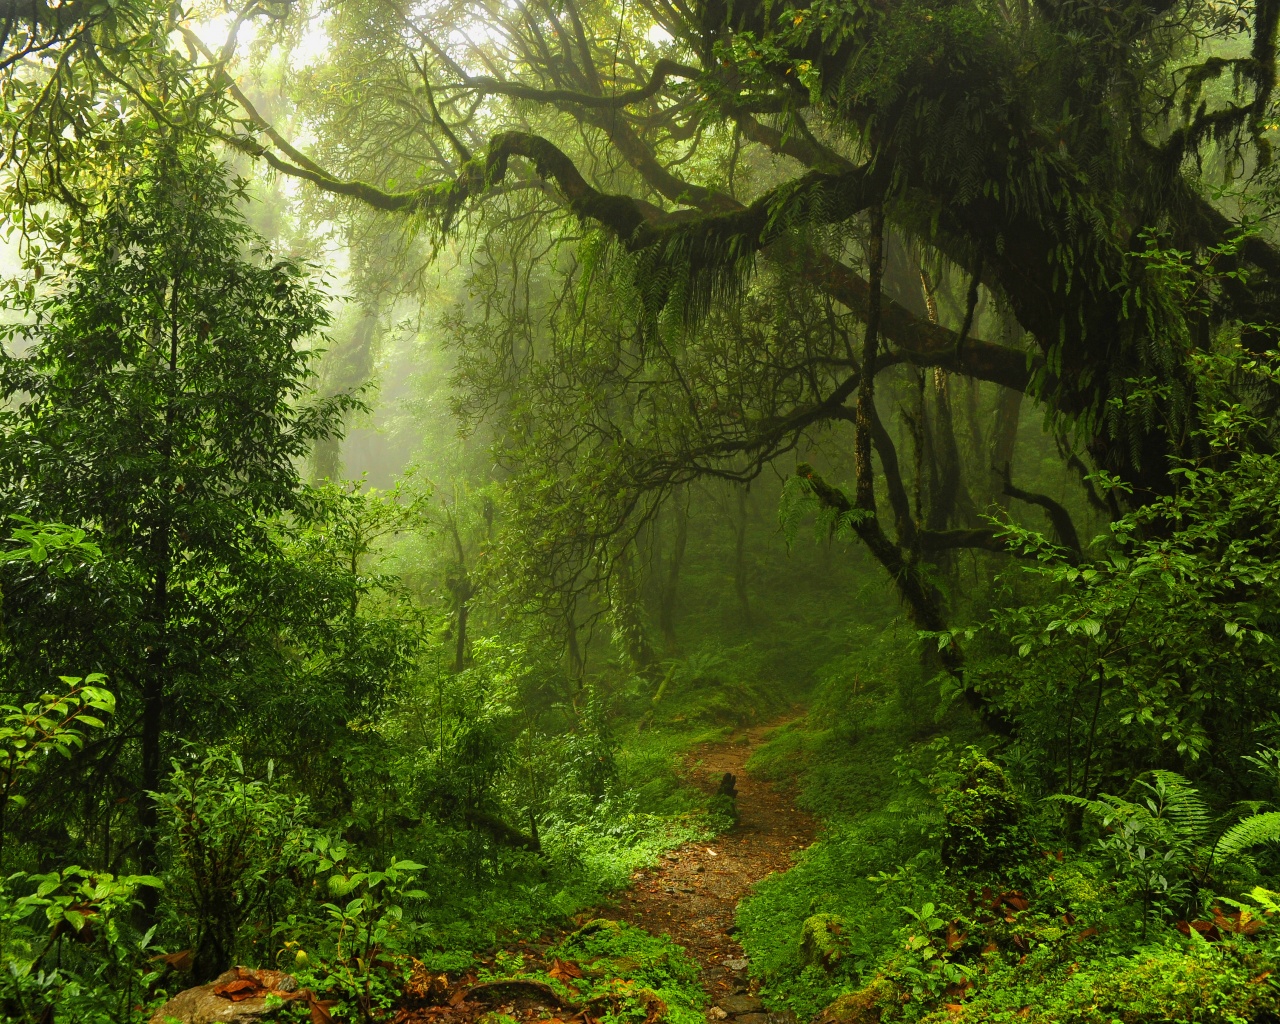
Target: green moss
[(823, 943), (981, 815)]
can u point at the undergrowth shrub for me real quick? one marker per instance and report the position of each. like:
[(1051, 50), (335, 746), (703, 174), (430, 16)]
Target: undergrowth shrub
[(714, 686), (231, 841), (957, 900), (636, 963), (981, 815)]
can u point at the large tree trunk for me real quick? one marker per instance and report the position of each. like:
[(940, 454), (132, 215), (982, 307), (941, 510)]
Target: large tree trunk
[(156, 682), (1004, 438), (740, 555), (675, 559), (628, 619), (458, 581), (345, 369)]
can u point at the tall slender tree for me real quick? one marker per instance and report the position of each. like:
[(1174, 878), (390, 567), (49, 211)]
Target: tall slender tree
[(159, 392)]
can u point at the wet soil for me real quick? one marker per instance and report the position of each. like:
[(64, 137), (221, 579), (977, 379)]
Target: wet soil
[(693, 893)]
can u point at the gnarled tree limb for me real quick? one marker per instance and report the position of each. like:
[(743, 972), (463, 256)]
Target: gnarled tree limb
[(662, 70)]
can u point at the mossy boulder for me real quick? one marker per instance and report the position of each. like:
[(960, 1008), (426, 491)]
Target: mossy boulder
[(866, 1006), (823, 942)]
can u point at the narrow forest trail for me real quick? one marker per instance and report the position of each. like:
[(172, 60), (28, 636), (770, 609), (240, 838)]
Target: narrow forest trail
[(691, 896), (693, 892)]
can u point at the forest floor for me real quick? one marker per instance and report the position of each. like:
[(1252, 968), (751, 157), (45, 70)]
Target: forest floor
[(691, 895)]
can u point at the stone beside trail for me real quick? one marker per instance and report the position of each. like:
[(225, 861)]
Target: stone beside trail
[(693, 893)]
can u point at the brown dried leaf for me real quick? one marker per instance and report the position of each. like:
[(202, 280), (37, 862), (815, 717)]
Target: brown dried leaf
[(1236, 923), (239, 990), (564, 972), (320, 1010), (1014, 899), (1206, 928), (179, 961)]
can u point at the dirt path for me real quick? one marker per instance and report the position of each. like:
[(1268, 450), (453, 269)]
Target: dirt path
[(693, 893), (691, 896)]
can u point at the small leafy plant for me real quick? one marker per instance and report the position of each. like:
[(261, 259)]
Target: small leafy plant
[(67, 942), (56, 723), (232, 840), (363, 927)]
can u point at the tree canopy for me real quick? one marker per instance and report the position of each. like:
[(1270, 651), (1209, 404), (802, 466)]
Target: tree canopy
[(412, 418)]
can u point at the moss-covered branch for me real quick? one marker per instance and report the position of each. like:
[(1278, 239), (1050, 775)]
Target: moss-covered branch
[(662, 70)]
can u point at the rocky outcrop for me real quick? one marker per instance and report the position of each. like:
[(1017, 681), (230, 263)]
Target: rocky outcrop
[(239, 996)]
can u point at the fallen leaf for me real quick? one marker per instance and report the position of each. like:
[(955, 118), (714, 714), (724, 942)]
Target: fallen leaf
[(1015, 900), (564, 972), (179, 961), (1206, 928), (320, 1010), (239, 990), (1236, 923)]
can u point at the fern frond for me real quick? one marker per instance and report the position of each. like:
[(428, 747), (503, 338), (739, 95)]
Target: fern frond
[(1266, 899), (797, 501), (1106, 808), (1181, 804), (1252, 831)]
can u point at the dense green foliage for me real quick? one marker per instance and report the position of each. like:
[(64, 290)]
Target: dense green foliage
[(413, 419)]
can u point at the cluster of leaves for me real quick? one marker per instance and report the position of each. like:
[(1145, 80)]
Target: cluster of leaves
[(645, 977), (1162, 646), (987, 911)]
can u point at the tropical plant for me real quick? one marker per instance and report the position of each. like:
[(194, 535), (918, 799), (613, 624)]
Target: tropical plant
[(56, 723), (365, 924), (69, 946), (230, 842)]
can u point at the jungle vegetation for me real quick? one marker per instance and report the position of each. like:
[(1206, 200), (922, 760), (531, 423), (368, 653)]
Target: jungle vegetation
[(427, 422)]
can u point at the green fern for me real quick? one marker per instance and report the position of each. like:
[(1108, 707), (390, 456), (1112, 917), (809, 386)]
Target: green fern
[(1171, 809), (1252, 831), (1180, 803), (1107, 809), (797, 501)]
